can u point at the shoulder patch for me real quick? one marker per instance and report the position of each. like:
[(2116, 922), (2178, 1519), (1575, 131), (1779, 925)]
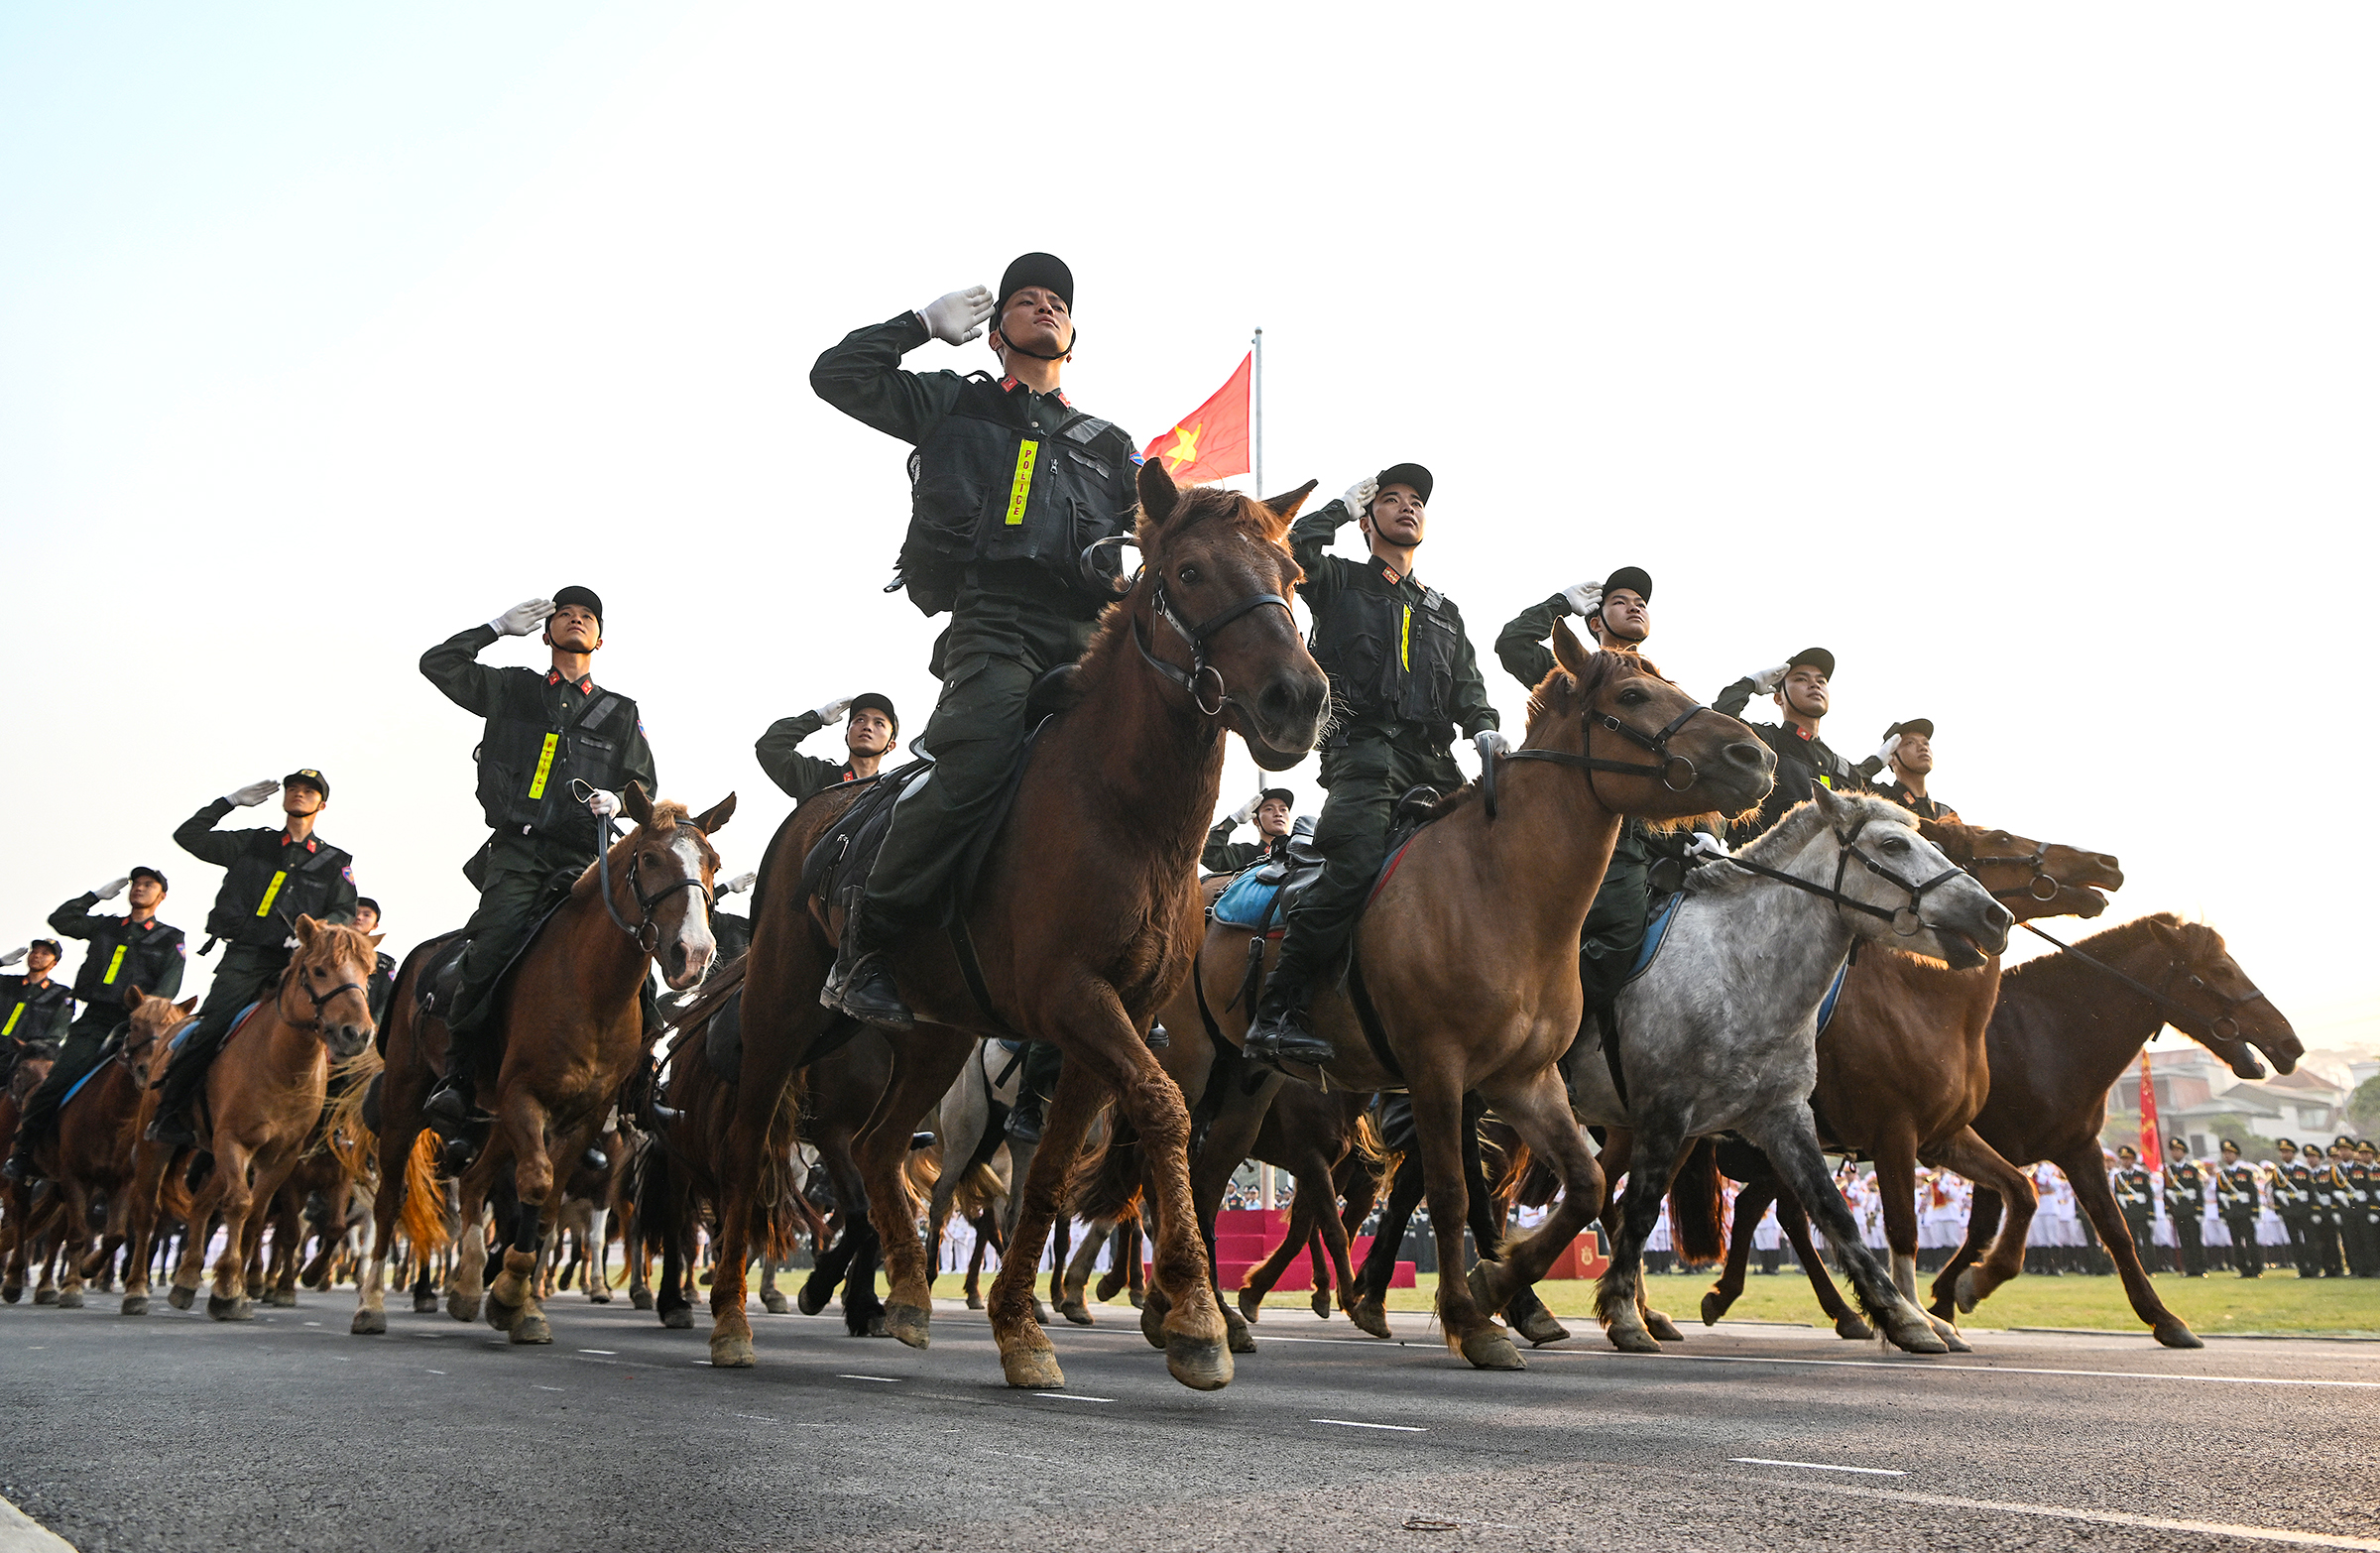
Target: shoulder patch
[(181, 948), (348, 874)]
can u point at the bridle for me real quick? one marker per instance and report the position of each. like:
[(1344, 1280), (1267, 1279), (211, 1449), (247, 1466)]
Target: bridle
[(323, 997), (1198, 637), (647, 932), (2032, 888), (1905, 920), (2224, 1027), (1658, 743)]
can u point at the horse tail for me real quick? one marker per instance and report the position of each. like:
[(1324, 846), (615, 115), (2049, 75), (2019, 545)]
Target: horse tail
[(978, 1190), (1696, 1209), (919, 1173), (423, 1215), (344, 1133), (1106, 1185), (777, 1221), (1368, 1149)]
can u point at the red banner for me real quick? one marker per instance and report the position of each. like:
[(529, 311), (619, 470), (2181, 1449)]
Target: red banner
[(2152, 1152), (1211, 442)]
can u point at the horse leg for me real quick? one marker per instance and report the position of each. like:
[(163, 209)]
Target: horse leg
[(1790, 1139), (668, 1299), (924, 1066), (388, 1202), (1849, 1323), (1025, 1356), (1369, 1310), (1759, 1192), (140, 1224), (1979, 1163), (465, 1288), (1539, 1111), (1656, 1145), (1983, 1224), (1062, 1231), (1440, 1118), (595, 1256), (773, 1298), (2088, 1174), (73, 1240), (987, 1238), (1896, 1177), (235, 1199), (1265, 1275), (1079, 1267)]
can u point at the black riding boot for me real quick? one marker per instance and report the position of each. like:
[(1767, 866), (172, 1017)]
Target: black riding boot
[(451, 1111), (861, 984), (1285, 1030)]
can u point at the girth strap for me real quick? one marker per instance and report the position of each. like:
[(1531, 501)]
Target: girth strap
[(1369, 1018)]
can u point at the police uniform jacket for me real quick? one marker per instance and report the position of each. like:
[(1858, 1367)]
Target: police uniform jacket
[(1008, 486), (268, 878), (1924, 807), (1225, 855), (2131, 1187), (543, 731), (380, 984), (2356, 1184), (1801, 761), (1400, 665), (122, 953), (780, 757), (2293, 1190), (38, 1014)]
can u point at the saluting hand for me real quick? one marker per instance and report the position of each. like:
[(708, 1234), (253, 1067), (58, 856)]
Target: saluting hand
[(522, 618), (737, 884), (113, 888), (832, 712), (1888, 748), (254, 793), (958, 317), (1359, 496), (1248, 811), (12, 957), (1584, 598), (1766, 681)]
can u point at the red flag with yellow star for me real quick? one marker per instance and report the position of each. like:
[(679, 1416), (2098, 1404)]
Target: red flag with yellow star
[(1211, 442)]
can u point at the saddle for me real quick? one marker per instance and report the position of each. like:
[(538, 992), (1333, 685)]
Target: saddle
[(440, 982), (839, 860)]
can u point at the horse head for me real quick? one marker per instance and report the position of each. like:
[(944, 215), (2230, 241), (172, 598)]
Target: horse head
[(2210, 1000), (1906, 893), (154, 1021), (654, 875), (1216, 580), (324, 988), (2031, 877), (1651, 749)]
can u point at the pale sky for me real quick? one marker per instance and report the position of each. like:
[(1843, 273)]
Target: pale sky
[(2022, 356)]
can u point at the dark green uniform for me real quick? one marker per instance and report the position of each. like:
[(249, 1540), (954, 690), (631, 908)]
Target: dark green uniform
[(2186, 1209), (1009, 485), (119, 953), (1801, 761), (1404, 681), (542, 733), (1924, 807), (2293, 1200), (2235, 1199), (2131, 1183), (779, 754), (30, 1014), (1222, 854)]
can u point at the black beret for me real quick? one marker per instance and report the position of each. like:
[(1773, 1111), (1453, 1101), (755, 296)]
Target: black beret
[(1282, 794), (145, 872), (1814, 657), (1407, 474), (1046, 271), (873, 701), (309, 776), (584, 598), (1635, 578), (1914, 725)]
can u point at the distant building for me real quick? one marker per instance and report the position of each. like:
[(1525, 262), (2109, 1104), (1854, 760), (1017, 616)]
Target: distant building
[(2194, 1088)]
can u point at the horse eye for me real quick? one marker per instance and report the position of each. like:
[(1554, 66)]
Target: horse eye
[(1189, 576), (1896, 844), (1633, 699)]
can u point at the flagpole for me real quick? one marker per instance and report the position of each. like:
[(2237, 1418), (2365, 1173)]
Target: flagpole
[(1259, 415)]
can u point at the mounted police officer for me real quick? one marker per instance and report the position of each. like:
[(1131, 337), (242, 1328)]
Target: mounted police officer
[(556, 752), (132, 950), (34, 1010), (1403, 678), (2293, 1200), (1010, 487), (1270, 809), (2131, 1183), (1908, 754), (2235, 1198), (868, 736), (2185, 1207), (1801, 687), (271, 879), (382, 978)]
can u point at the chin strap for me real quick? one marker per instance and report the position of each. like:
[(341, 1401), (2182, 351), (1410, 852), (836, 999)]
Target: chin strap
[(1073, 336)]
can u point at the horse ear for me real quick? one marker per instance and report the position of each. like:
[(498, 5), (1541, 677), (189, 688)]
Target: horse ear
[(1158, 493), (2165, 933), (1285, 507), (718, 815), (1828, 802), (1569, 652), (374, 939), (188, 1004), (306, 929), (637, 803), (133, 997)]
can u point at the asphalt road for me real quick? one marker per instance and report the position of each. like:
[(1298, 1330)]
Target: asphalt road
[(171, 1431)]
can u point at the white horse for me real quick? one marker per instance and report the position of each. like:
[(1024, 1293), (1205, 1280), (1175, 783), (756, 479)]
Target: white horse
[(1720, 1033)]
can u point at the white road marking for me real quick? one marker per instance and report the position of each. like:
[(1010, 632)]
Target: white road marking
[(755, 1417), (313, 1322), (1876, 1472), (550, 1388), (1917, 1367), (1072, 1396), (608, 1352), (2205, 1528), (437, 1372), (879, 1379), (1349, 1423), (21, 1533)]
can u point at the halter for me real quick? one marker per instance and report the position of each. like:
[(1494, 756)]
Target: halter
[(647, 932), (1198, 637), (2032, 888), (1905, 920), (2224, 1027), (1657, 743)]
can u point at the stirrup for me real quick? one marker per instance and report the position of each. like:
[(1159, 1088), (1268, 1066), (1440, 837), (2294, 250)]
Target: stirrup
[(867, 995), (1279, 1038), (452, 1117)]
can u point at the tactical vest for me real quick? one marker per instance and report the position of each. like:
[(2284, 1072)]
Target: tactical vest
[(527, 760), (1390, 662), (261, 895), (23, 1017), (122, 955), (985, 488)]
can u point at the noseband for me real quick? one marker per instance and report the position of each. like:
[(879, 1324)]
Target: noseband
[(1905, 920), (322, 999), (647, 932), (1198, 637), (2032, 888), (2224, 1027), (1666, 773)]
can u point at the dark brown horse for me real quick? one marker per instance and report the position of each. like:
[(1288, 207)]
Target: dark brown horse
[(1075, 921), (1902, 1074), (33, 1066), (2066, 1031)]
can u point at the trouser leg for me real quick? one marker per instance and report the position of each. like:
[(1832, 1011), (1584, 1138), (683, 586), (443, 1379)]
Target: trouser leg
[(1352, 834), (2191, 1233), (1615, 922), (2301, 1244), (1037, 1081), (508, 903), (2247, 1256)]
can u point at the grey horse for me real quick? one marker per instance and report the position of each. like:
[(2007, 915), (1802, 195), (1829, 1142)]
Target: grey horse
[(1720, 1033)]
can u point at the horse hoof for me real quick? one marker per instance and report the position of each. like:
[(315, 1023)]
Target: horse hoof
[(643, 1298), (1322, 1304), (180, 1298), (1715, 1305), (1662, 1327), (1033, 1370), (502, 1316), (44, 1296), (1851, 1326), (1489, 1298), (1202, 1367), (874, 1326), (1949, 1334), (774, 1302), (70, 1299), (1076, 1311), (1252, 1305), (1152, 1320), (12, 1294), (811, 1297), (463, 1308), (218, 1309), (1369, 1316), (1911, 1334), (1965, 1294), (1632, 1338), (732, 1351), (135, 1305), (283, 1300), (975, 1302), (1041, 1313), (369, 1323), (912, 1324), (532, 1328), (2179, 1336), (1137, 1299), (1490, 1349), (425, 1304), (679, 1320), (1540, 1328), (1108, 1286), (599, 1296)]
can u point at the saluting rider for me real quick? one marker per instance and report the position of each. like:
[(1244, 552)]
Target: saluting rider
[(1404, 680), (271, 879), (33, 1008), (1908, 754), (1009, 486), (1270, 809), (1800, 686), (868, 736), (550, 738)]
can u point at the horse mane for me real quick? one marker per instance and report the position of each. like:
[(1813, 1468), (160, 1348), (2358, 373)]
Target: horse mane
[(2043, 972), (1781, 841), (1560, 694)]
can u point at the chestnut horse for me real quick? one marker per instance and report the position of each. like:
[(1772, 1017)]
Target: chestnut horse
[(1075, 921), (1902, 1074), (573, 1033), (1466, 960), (2065, 1029), (33, 1066), (264, 1099)]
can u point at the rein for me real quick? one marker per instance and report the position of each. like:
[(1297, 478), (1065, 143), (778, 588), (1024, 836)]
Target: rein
[(1897, 918), (2224, 1027), (647, 932), (2032, 888), (1198, 637), (1657, 743)]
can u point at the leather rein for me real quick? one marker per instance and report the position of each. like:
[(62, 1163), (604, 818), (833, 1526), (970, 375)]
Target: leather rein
[(1905, 920), (2224, 1025), (647, 932), (1666, 773)]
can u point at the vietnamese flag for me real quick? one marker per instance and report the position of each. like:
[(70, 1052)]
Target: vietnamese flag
[(1211, 442), (2152, 1149)]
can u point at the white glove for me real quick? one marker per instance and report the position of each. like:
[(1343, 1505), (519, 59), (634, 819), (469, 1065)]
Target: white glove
[(1888, 748), (112, 889), (832, 712), (254, 793), (1491, 744), (289, 943), (1768, 680), (602, 804), (522, 619), (737, 884), (958, 318), (1703, 844), (1248, 811), (12, 957), (1584, 598), (1359, 496)]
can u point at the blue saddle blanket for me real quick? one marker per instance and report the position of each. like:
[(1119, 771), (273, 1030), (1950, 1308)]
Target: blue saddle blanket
[(1656, 933), (1247, 901)]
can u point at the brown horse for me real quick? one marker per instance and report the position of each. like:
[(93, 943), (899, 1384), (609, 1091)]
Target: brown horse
[(1075, 921), (264, 1100), (1902, 1074), (1465, 969), (2065, 1029), (1328, 1144), (33, 1066), (573, 1033)]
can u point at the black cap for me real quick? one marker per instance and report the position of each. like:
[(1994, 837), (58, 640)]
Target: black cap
[(1046, 271), (2231, 1143), (56, 950), (2177, 1142), (1282, 794), (1407, 474), (367, 904), (2346, 1139), (2126, 1149), (873, 700), (1814, 657), (1635, 578), (145, 872), (1914, 725), (584, 598), (2284, 1143), (308, 776)]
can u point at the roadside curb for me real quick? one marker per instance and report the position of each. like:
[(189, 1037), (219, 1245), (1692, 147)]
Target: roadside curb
[(21, 1533)]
